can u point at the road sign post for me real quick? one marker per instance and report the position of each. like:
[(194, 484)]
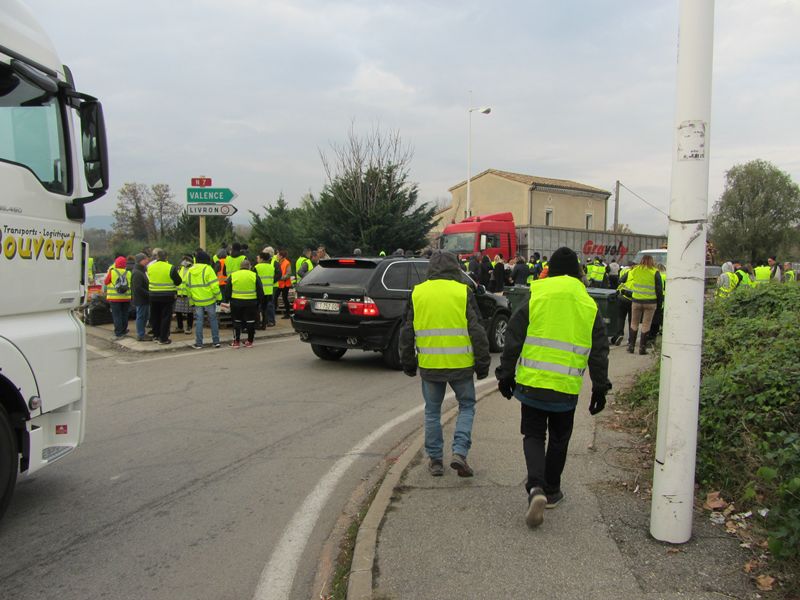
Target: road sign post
[(203, 200)]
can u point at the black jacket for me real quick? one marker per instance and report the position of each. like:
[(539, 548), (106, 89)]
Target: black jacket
[(520, 273), (515, 339), (140, 294), (445, 266)]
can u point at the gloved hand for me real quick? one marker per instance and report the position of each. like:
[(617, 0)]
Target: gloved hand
[(482, 375), (598, 402), (412, 372), (506, 387)]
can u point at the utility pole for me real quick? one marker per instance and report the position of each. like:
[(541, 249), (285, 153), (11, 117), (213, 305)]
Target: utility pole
[(616, 208), (678, 401)]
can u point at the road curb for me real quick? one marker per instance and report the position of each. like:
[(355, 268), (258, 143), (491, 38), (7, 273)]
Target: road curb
[(359, 586)]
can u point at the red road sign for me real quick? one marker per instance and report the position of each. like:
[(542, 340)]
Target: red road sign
[(201, 181)]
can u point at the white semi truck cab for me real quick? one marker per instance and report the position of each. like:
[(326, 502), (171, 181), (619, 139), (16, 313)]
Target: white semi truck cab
[(53, 160)]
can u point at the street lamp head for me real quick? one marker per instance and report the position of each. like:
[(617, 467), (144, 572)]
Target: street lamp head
[(484, 110)]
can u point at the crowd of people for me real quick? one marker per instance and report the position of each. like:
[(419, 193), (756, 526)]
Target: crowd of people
[(197, 287)]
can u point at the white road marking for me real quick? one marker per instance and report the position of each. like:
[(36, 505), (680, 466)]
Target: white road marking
[(278, 575)]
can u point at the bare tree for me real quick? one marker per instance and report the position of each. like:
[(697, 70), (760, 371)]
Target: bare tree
[(165, 211)]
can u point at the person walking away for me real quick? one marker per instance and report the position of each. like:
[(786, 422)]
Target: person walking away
[(183, 311), (520, 272), (788, 273), (549, 343), (163, 281), (442, 335), (118, 295), (284, 282), (625, 295), (265, 271), (141, 296), (727, 281), (203, 291), (246, 292), (303, 264), (644, 281)]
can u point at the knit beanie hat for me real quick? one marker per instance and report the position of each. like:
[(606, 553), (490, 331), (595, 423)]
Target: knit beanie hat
[(121, 262), (564, 262)]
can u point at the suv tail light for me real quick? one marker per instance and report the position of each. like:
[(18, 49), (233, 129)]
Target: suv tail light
[(366, 308), (300, 303)]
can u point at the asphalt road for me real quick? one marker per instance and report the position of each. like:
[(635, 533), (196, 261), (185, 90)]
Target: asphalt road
[(193, 464)]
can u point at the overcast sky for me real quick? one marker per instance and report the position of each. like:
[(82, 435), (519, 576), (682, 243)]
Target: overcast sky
[(249, 91)]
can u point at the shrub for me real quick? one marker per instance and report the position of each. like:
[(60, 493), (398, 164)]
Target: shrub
[(748, 441)]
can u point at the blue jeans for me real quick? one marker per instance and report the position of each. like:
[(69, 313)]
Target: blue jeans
[(211, 311), (119, 313), (142, 316), (433, 392)]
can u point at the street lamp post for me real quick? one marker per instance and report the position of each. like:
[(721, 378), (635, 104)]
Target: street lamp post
[(484, 110)]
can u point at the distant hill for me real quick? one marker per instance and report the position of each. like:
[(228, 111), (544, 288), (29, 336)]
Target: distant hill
[(99, 222)]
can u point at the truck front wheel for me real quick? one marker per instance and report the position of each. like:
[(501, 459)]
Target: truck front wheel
[(8, 461)]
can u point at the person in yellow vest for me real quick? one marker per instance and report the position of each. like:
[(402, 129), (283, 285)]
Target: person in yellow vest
[(727, 281), (118, 295), (762, 273), (549, 343), (644, 281), (443, 336), (202, 287), (303, 265), (184, 313), (244, 292), (234, 261), (788, 273), (265, 271), (163, 281)]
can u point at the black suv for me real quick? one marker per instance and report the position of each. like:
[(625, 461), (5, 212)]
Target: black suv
[(359, 303)]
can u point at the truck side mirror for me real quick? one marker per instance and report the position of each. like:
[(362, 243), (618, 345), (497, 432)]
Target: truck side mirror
[(483, 241), (95, 148)]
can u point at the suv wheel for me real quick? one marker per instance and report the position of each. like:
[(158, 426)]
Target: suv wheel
[(497, 333), (328, 352), (391, 356)]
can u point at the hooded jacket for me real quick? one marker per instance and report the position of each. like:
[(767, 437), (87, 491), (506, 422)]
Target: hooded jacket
[(444, 265)]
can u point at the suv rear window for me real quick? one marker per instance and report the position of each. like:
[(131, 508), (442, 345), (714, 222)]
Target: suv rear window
[(334, 272)]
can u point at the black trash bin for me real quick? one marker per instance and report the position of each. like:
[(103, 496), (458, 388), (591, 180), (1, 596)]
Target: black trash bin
[(608, 305)]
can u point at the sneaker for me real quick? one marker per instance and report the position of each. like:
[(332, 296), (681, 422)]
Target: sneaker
[(187, 331), (435, 467), (554, 499), (164, 342), (197, 346), (536, 504), (459, 463), (248, 344), (216, 345), (235, 344), (145, 338)]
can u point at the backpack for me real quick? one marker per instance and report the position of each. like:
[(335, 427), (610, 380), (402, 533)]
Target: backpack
[(121, 285)]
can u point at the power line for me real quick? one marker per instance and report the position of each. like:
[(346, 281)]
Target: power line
[(643, 200)]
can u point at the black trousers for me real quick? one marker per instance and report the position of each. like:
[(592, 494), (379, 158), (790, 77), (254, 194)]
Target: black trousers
[(284, 295), (160, 317), (244, 317), (545, 465), (624, 313)]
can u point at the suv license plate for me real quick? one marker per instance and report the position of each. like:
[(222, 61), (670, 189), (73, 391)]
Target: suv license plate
[(326, 306)]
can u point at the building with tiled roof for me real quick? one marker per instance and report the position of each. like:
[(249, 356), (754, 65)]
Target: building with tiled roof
[(533, 200)]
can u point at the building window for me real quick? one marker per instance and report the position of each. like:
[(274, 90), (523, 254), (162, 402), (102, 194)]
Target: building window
[(588, 221), (548, 217)]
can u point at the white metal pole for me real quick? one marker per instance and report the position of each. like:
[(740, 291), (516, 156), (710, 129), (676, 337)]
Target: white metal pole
[(678, 402), (469, 161)]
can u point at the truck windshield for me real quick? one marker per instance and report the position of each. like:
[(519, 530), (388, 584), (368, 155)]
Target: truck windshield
[(31, 130), (462, 243)]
